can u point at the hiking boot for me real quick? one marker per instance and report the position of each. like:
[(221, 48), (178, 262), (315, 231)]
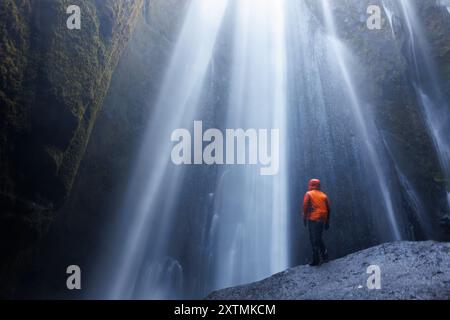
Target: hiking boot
[(314, 264)]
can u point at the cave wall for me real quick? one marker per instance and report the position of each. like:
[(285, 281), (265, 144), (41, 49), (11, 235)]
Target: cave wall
[(81, 230), (52, 85)]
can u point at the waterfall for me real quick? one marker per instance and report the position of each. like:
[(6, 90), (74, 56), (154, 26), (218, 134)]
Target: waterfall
[(369, 135), (243, 231), (428, 88), (185, 230)]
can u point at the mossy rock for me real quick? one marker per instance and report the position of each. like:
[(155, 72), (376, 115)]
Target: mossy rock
[(52, 84)]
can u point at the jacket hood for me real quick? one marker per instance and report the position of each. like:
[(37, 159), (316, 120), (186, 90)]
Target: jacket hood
[(314, 184)]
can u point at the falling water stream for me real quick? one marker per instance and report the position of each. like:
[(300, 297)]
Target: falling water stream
[(428, 88), (251, 238), (434, 107), (284, 72)]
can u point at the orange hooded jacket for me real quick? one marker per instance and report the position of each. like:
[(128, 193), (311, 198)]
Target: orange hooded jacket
[(316, 206)]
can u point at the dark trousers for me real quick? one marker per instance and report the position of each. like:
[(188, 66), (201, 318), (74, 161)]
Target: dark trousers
[(315, 236)]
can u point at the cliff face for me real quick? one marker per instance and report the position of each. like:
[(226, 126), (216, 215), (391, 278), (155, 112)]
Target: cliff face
[(408, 271), (52, 84)]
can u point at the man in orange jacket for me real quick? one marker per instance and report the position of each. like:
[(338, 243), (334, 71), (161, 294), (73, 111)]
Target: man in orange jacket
[(316, 215)]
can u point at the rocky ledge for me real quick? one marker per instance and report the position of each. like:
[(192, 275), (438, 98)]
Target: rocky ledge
[(408, 270)]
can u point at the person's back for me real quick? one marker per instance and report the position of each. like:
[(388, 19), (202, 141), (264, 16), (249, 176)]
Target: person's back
[(316, 215), (317, 201)]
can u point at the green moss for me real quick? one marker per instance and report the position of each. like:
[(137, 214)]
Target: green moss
[(72, 58), (13, 47), (52, 84)]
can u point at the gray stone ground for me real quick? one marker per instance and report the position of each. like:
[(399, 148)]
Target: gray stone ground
[(409, 270)]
